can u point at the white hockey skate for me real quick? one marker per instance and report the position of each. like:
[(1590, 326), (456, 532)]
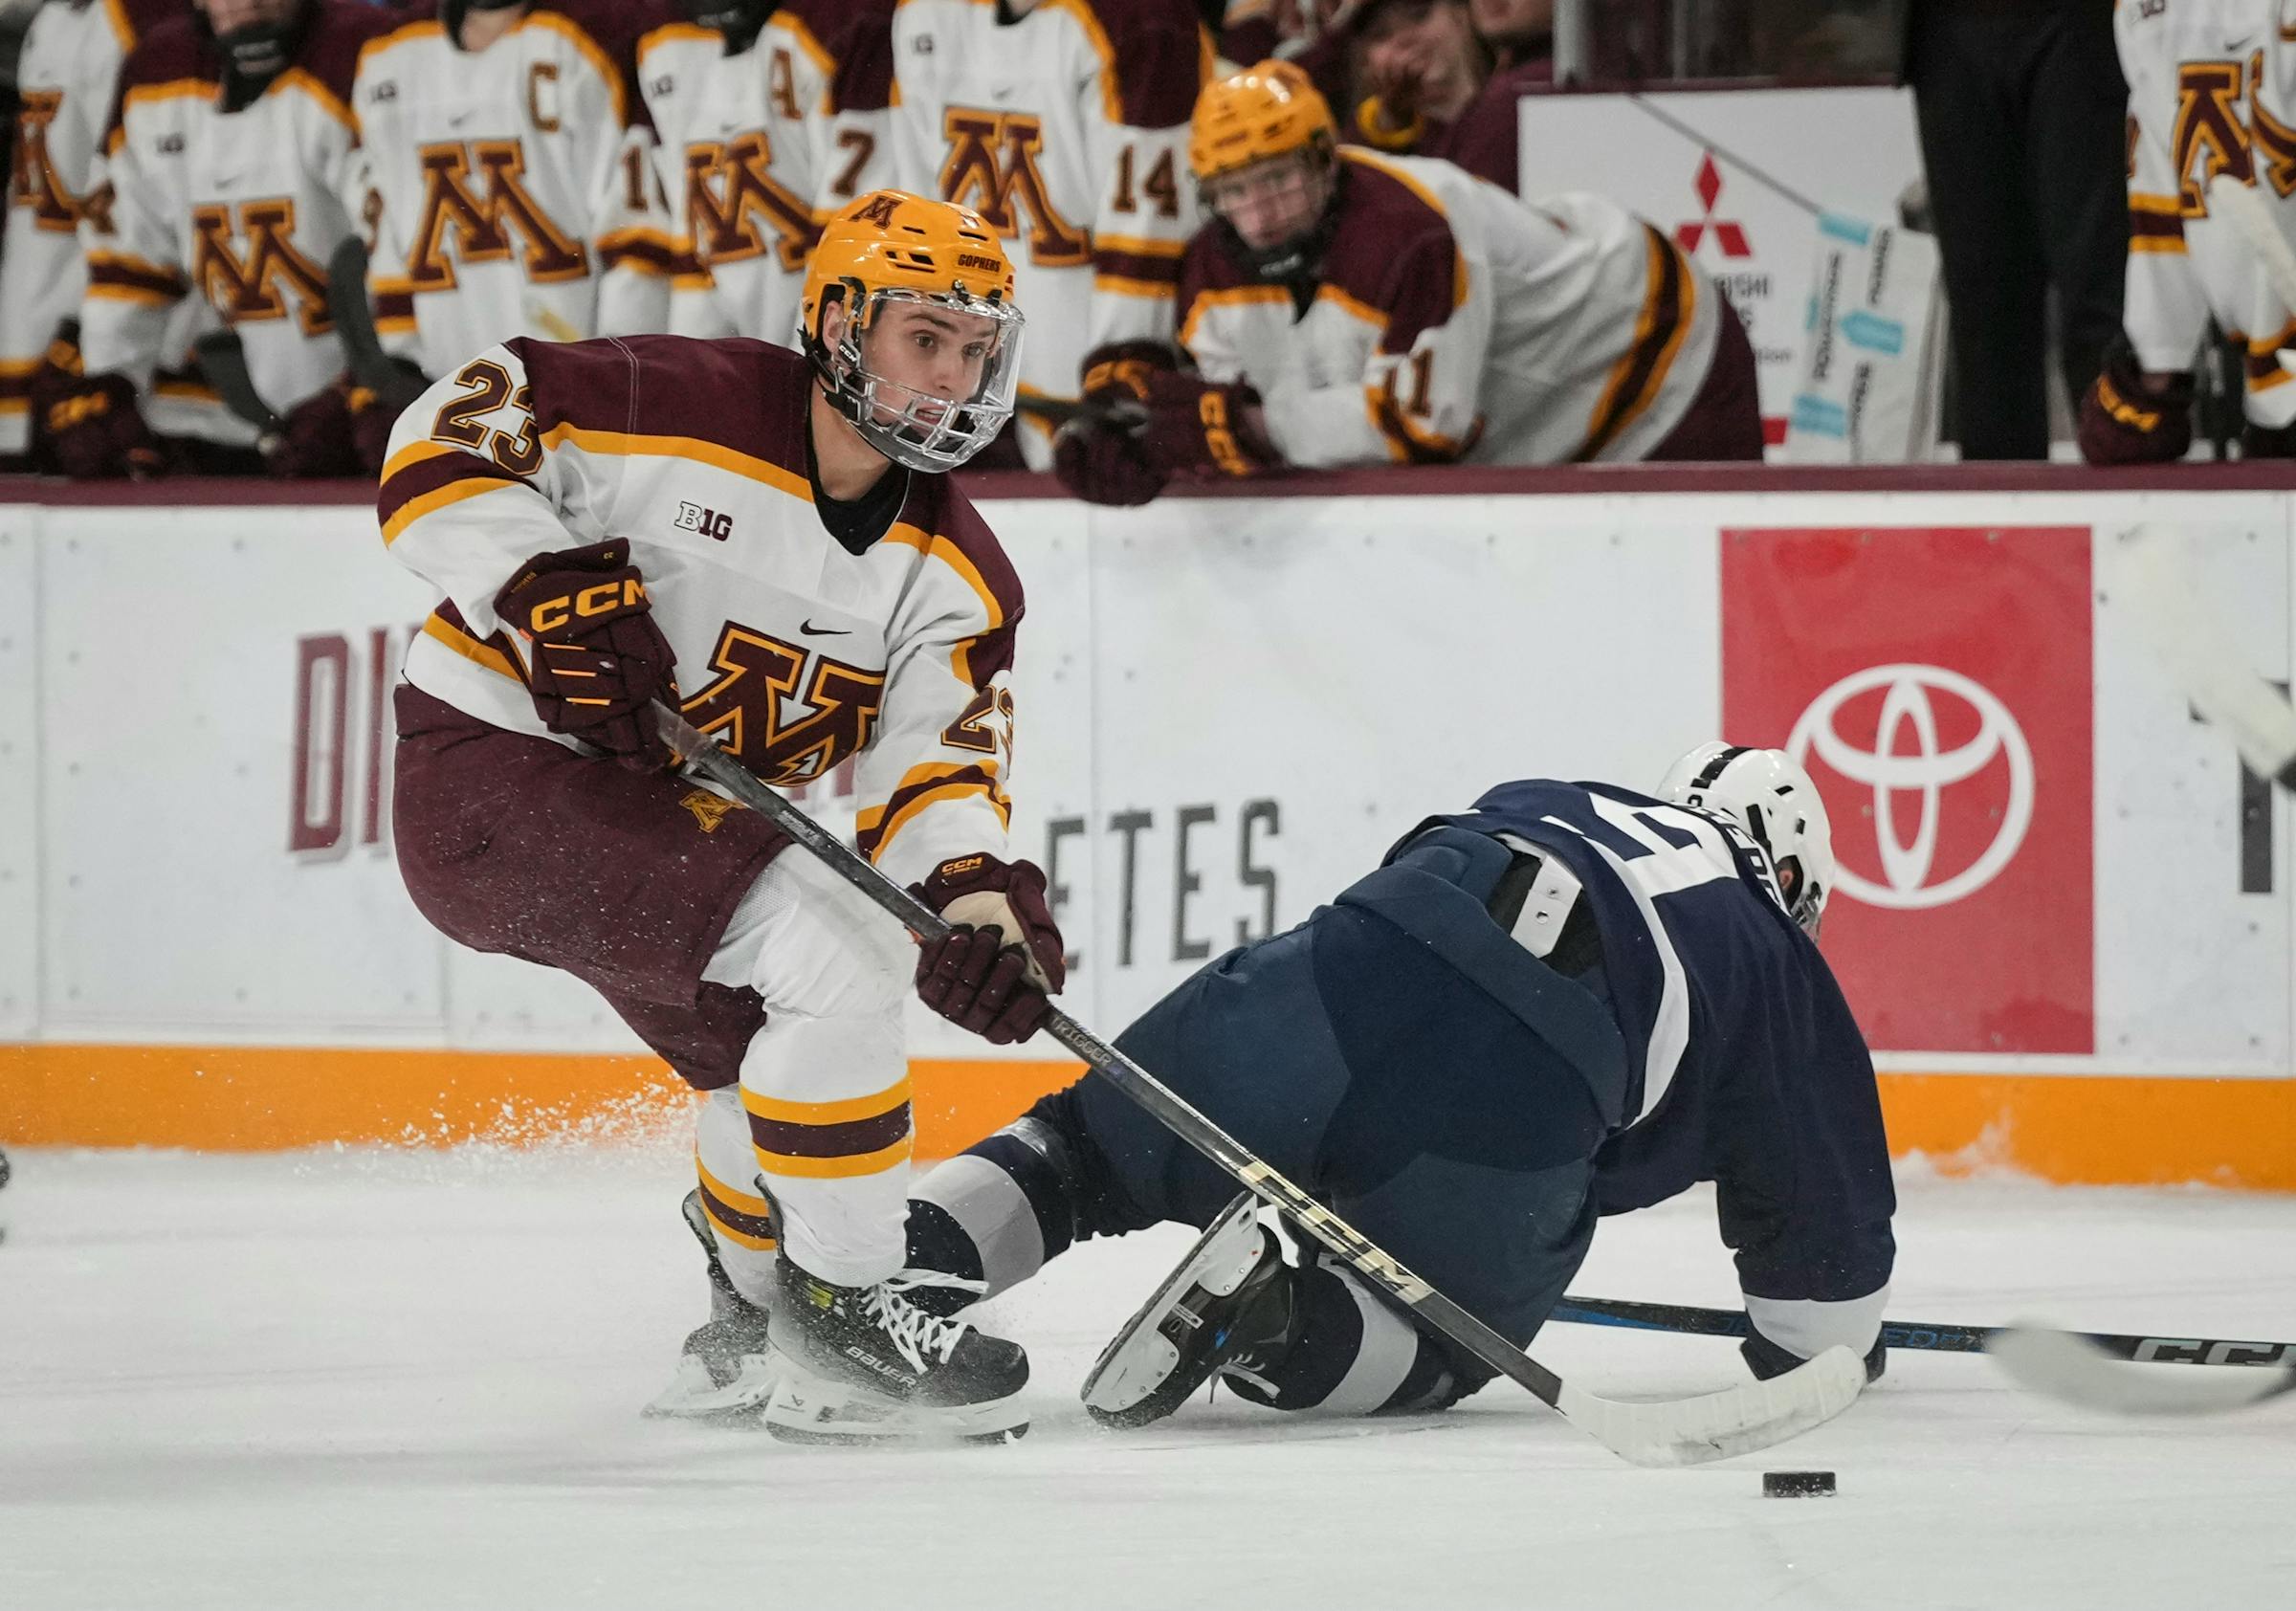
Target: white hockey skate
[(726, 1372), (863, 1364), (1226, 1309)]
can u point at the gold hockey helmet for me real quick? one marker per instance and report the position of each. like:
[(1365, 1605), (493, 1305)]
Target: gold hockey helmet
[(1269, 110), (892, 248)]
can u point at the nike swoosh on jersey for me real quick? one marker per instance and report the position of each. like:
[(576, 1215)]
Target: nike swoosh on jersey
[(810, 630)]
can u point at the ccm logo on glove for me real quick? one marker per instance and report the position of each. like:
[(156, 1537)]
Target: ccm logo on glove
[(606, 599)]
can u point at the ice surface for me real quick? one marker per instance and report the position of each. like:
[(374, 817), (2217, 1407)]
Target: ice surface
[(411, 1381)]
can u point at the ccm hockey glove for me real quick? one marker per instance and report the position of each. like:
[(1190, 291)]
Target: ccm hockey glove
[(1199, 428), (993, 973), (94, 427), (2121, 423), (595, 659)]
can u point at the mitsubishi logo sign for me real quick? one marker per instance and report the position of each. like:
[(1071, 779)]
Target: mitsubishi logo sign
[(1894, 768), (1729, 237)]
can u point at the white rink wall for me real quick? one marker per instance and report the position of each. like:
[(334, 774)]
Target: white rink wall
[(1227, 708)]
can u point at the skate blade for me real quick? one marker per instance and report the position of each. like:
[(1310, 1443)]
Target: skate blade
[(806, 1409), (1141, 1358), (694, 1394)]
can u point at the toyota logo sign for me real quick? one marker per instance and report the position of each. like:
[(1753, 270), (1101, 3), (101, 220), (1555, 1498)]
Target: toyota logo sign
[(1909, 705)]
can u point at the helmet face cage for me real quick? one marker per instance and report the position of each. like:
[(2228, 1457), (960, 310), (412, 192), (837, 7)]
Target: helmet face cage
[(909, 427), (1301, 253)]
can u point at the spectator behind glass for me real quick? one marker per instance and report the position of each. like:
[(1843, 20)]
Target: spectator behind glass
[(1442, 78)]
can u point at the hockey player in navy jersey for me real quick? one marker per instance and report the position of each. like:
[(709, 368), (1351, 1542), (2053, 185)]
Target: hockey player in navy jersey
[(1571, 1001)]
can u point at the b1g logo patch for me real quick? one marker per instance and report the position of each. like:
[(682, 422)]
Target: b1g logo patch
[(709, 522)]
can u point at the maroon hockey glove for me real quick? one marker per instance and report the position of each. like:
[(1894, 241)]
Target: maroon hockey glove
[(1004, 957), (94, 428), (2121, 423), (1119, 370), (595, 659), (316, 441), (1196, 427), (1102, 462), (2265, 441)]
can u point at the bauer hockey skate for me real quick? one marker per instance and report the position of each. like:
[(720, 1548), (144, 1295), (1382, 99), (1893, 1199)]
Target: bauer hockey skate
[(1227, 1309), (864, 1365), (727, 1370)]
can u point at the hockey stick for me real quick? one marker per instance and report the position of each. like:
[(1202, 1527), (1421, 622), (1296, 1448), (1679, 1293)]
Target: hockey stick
[(355, 327), (2240, 206), (2149, 569), (1690, 1321), (2066, 1366), (223, 359), (1666, 1432)]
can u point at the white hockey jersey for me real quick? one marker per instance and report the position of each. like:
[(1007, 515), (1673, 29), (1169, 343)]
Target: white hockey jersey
[(1455, 321), (239, 206), (1067, 128), (758, 147), (2212, 89), (65, 81), (795, 651), (515, 189)]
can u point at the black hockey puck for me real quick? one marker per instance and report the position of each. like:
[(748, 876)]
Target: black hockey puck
[(1797, 1485)]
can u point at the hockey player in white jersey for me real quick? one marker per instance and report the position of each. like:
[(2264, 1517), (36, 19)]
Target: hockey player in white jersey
[(2212, 90), (769, 541), (1348, 308), (771, 119), (512, 162), (66, 79), (1065, 122), (224, 167)]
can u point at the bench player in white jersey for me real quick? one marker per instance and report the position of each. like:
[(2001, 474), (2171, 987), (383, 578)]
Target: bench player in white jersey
[(768, 540), (771, 119), (2212, 90), (512, 162), (67, 79), (1065, 122), (226, 164), (1348, 308)]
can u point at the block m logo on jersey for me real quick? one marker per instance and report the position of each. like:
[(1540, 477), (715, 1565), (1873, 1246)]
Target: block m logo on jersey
[(259, 279), (477, 192), (993, 169), (729, 195), (755, 711), (33, 180)]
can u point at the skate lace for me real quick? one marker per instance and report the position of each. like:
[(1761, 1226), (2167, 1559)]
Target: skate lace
[(913, 1330)]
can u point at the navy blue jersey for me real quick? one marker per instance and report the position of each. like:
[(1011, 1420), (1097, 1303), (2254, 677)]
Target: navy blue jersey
[(1746, 1065)]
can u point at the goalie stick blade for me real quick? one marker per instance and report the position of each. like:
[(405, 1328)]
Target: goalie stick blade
[(2066, 1367), (1756, 1415), (2150, 571)]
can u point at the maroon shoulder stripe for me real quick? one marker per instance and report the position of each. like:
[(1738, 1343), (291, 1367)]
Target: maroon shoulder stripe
[(427, 476), (1626, 400)]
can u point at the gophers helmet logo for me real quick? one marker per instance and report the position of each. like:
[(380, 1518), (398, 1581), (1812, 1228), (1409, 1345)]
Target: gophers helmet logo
[(891, 248), (1911, 696)]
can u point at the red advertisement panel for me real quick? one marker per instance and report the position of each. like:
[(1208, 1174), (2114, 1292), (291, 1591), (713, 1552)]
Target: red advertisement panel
[(1935, 682)]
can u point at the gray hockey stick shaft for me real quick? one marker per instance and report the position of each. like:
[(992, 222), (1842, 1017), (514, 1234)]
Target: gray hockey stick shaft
[(355, 328), (1693, 1320), (223, 359), (1679, 1432)]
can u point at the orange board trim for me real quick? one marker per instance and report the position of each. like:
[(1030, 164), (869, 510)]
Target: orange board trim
[(2076, 1129)]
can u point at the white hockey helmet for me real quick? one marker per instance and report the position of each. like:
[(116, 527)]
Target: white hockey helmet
[(1768, 794)]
